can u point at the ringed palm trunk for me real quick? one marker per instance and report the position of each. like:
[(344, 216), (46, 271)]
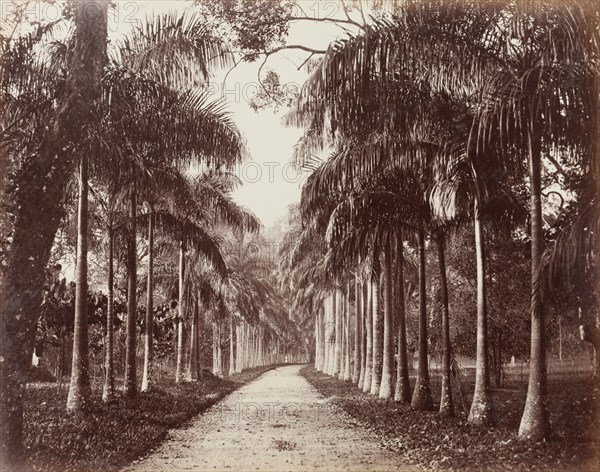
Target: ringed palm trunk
[(214, 348), (316, 337), (342, 326), (337, 313), (148, 340), (387, 372), (246, 345), (446, 404), (402, 392), (363, 341), (180, 318), (357, 333), (199, 331), (319, 347), (239, 347), (535, 424), (349, 338), (79, 388), (194, 348), (369, 341), (481, 407), (231, 346), (320, 361), (323, 343), (332, 307), (422, 399), (130, 389), (219, 365), (108, 391), (332, 336), (326, 335), (377, 335)]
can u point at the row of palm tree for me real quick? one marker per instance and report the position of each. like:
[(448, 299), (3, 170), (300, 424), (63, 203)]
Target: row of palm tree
[(434, 117), (153, 156)]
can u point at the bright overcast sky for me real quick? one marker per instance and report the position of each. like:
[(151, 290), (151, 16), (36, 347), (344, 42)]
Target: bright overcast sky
[(270, 182)]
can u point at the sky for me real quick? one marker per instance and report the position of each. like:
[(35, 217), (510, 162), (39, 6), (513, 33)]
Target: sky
[(270, 182)]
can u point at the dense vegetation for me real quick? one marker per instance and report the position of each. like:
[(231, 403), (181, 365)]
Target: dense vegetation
[(451, 210), (117, 160), (462, 134)]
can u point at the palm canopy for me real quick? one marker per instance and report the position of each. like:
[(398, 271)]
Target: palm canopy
[(510, 65), (173, 48)]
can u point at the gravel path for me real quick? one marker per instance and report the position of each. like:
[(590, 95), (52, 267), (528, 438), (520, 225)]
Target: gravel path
[(278, 422)]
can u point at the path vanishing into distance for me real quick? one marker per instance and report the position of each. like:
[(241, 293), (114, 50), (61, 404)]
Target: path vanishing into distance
[(278, 422)]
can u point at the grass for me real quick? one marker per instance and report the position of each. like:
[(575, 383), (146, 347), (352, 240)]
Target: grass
[(111, 436), (426, 440)]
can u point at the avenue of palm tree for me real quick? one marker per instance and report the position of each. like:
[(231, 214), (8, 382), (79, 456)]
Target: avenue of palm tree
[(446, 233)]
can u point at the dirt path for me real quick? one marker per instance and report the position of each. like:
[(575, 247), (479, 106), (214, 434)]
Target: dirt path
[(276, 423)]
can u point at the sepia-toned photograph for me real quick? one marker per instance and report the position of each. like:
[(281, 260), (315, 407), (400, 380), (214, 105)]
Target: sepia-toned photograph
[(299, 235)]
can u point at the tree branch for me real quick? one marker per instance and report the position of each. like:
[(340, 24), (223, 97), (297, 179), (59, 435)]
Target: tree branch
[(305, 61)]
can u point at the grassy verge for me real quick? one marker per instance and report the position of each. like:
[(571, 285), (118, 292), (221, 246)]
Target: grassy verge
[(111, 436), (427, 440)]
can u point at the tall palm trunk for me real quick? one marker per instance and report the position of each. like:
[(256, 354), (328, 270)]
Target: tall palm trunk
[(369, 341), (199, 331), (239, 350), (347, 337), (182, 313), (316, 336), (422, 399), (148, 341), (38, 214), (332, 335), (108, 391), (363, 340), (231, 346), (130, 352), (481, 407), (387, 372), (219, 364), (535, 424), (79, 388), (402, 393), (337, 313), (342, 325), (214, 348), (320, 353), (377, 332), (446, 404), (323, 340), (194, 346), (326, 334), (357, 332)]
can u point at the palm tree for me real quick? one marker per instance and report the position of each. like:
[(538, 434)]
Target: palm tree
[(446, 404), (402, 389), (358, 332), (369, 64), (528, 109), (38, 213), (181, 47), (139, 52), (213, 189), (148, 345), (108, 199), (79, 388)]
